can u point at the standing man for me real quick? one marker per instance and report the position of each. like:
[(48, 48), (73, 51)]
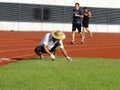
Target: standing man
[(50, 44), (76, 24), (87, 16)]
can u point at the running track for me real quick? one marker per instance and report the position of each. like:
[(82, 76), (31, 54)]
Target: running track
[(16, 46)]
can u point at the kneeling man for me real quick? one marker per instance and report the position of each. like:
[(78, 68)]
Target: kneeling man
[(50, 44)]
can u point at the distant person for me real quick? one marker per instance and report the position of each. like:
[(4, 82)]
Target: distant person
[(76, 24), (85, 22), (50, 44)]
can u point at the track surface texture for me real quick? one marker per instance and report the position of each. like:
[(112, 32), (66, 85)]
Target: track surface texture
[(15, 46)]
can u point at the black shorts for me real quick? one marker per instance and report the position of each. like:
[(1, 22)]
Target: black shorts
[(76, 26), (85, 24), (39, 49)]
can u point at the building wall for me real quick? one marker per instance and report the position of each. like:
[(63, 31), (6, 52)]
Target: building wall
[(92, 3), (47, 26)]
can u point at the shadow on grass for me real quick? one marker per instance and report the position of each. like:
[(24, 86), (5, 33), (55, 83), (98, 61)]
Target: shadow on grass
[(19, 59)]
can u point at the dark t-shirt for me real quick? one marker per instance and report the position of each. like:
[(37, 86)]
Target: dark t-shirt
[(86, 19), (77, 20)]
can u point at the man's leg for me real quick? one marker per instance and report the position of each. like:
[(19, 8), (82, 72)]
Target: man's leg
[(39, 51), (40, 54), (73, 37), (56, 48), (74, 26), (80, 32)]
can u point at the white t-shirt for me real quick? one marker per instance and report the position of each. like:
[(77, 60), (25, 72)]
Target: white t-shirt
[(48, 41)]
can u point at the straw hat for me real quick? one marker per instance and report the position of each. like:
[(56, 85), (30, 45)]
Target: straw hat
[(57, 34)]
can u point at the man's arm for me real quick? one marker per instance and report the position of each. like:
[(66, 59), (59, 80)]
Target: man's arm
[(48, 52), (65, 54), (63, 49), (46, 49), (81, 16)]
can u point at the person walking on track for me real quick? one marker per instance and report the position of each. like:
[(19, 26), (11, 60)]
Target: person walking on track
[(50, 44), (76, 24), (85, 22)]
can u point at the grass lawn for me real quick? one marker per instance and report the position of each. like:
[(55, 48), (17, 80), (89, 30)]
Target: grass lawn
[(80, 74)]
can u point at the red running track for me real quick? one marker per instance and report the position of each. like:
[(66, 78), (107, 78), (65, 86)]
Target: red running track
[(16, 46)]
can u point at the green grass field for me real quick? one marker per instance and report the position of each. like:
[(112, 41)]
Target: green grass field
[(80, 74)]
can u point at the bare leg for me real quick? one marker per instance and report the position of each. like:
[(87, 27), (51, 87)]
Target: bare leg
[(90, 33), (83, 32), (73, 37), (40, 55), (82, 37), (56, 50)]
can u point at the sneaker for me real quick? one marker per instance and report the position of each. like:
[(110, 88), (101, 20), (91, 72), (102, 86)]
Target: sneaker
[(72, 42), (82, 42)]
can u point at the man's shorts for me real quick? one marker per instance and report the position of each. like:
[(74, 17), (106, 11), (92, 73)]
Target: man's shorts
[(39, 49), (76, 26)]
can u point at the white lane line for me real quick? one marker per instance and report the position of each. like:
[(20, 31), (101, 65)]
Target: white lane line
[(65, 45), (68, 50), (20, 56), (93, 48), (16, 41), (94, 45), (16, 45), (25, 39), (1, 61), (12, 58), (116, 44), (16, 49), (5, 59)]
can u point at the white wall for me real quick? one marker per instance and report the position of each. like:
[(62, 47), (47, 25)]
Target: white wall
[(89, 3), (28, 26), (24, 26)]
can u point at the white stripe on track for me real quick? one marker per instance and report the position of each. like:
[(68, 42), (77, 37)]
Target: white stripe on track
[(67, 50), (115, 44), (22, 55), (93, 48), (12, 58), (16, 49), (6, 59), (16, 41), (16, 45)]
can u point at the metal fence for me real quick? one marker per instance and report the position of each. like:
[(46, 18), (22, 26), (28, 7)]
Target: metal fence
[(55, 14)]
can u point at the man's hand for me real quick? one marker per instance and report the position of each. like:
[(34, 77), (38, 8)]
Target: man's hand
[(76, 15), (69, 58), (81, 16), (52, 57)]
